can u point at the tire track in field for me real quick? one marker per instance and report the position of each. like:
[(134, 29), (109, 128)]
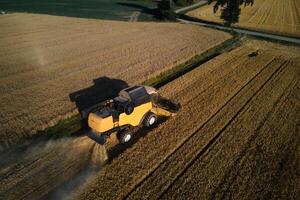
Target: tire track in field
[(250, 142), (55, 166), (297, 12), (21, 169), (256, 15), (266, 14), (287, 183), (175, 165), (208, 170), (259, 146)]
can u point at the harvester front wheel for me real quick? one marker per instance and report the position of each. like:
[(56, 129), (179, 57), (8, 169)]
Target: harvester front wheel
[(124, 136), (150, 119)]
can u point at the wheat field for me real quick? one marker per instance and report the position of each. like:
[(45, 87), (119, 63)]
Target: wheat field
[(274, 16), (236, 136)]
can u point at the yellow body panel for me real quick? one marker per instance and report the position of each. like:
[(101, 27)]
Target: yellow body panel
[(136, 116), (100, 124)]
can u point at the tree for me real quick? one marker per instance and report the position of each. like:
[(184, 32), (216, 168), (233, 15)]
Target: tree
[(166, 9), (230, 9)]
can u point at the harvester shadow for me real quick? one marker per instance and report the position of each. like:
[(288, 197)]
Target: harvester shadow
[(103, 88), (118, 149)]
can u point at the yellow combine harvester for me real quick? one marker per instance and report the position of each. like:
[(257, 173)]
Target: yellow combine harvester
[(135, 107)]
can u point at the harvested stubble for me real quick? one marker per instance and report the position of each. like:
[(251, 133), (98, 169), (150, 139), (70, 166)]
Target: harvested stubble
[(45, 58), (214, 172), (220, 114), (44, 167), (275, 16)]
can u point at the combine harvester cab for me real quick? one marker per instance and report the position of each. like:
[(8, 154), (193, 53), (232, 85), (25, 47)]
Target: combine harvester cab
[(135, 107)]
